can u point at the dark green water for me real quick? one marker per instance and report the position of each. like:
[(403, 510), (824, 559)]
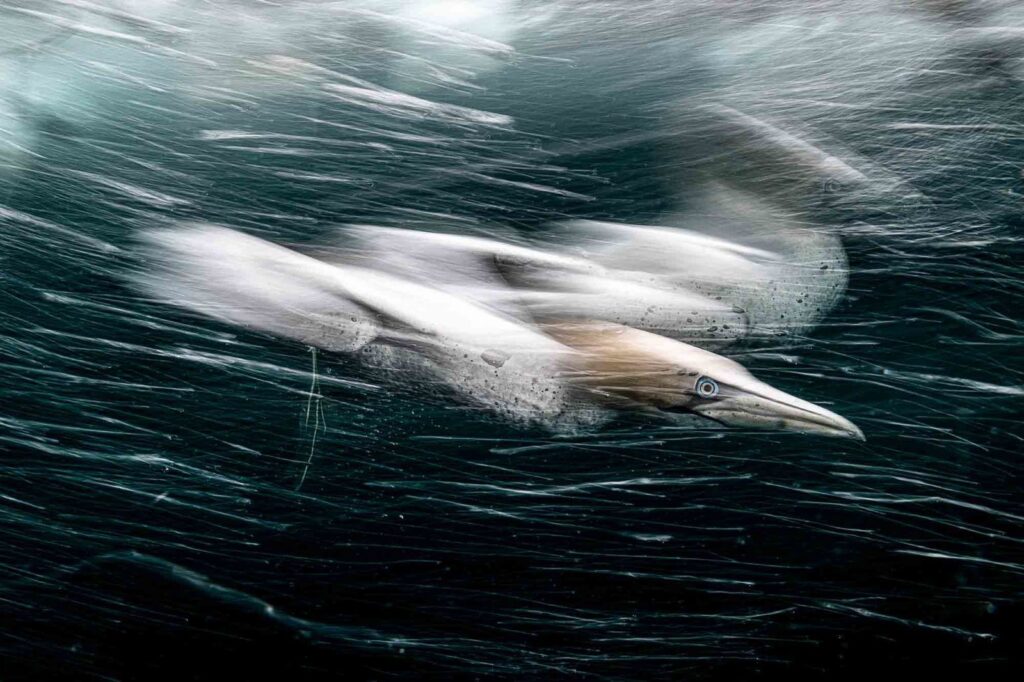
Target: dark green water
[(174, 502)]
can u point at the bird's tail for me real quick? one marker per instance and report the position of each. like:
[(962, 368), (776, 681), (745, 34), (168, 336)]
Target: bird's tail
[(251, 282)]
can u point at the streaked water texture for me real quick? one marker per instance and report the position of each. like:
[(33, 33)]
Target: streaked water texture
[(203, 480)]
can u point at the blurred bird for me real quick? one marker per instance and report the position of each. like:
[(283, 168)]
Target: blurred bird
[(535, 335)]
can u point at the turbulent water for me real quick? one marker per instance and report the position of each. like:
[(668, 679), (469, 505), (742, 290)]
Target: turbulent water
[(181, 496)]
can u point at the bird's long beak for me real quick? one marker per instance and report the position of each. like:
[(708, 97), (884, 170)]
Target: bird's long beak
[(758, 405)]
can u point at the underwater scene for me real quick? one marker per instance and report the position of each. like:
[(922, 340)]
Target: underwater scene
[(511, 339)]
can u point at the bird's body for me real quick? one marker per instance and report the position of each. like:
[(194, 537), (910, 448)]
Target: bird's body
[(511, 328)]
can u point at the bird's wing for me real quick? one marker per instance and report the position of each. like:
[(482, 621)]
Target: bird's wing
[(757, 186), (736, 249), (535, 282), (491, 359), (636, 300), (793, 167), (788, 294), (470, 266)]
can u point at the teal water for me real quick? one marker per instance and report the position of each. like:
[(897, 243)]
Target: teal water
[(182, 497)]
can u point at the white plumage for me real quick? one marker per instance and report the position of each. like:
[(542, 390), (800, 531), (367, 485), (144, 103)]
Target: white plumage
[(532, 333)]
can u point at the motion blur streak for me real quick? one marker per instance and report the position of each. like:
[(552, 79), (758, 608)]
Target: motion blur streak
[(632, 209)]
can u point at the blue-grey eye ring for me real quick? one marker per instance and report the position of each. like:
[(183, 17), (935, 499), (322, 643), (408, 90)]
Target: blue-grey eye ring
[(707, 388)]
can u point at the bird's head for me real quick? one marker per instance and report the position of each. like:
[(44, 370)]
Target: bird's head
[(726, 392), (632, 368)]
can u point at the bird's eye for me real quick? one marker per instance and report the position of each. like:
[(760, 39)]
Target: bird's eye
[(707, 388)]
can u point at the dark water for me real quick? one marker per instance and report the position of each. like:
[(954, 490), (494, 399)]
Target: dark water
[(184, 498)]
